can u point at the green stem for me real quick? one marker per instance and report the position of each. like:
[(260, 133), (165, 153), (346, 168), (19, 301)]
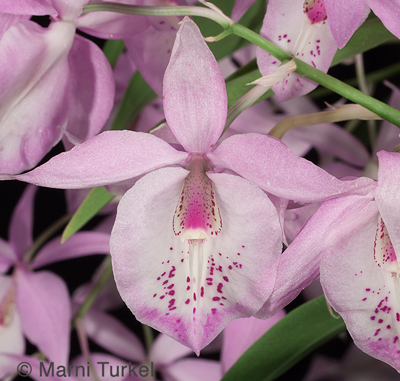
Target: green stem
[(142, 10), (148, 337)]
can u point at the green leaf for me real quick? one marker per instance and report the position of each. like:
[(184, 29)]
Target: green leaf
[(136, 97), (93, 203), (112, 49), (371, 34), (287, 342)]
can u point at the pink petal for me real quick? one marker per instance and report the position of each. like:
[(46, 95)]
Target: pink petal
[(69, 10), (193, 370), (111, 334), (268, 163), (345, 17), (299, 264), (241, 334), (91, 92), (11, 338), (151, 51), (33, 93), (364, 293), (80, 244), (44, 306), (112, 25), (7, 256), (387, 192), (181, 294), (110, 157), (195, 101), (165, 350), (290, 25), (8, 20), (240, 8), (388, 12), (388, 135), (27, 7), (21, 229)]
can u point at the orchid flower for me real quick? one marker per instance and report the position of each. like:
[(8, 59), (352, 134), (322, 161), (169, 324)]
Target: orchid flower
[(300, 28), (37, 303), (196, 237), (50, 78), (359, 269)]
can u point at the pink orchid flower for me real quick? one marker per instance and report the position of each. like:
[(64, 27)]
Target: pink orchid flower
[(360, 270), (196, 237), (300, 28), (50, 78), (37, 304)]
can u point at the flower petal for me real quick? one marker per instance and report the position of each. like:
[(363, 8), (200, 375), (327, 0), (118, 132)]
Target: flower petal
[(110, 157), (190, 290), (345, 17), (193, 370), (364, 293), (45, 310), (388, 13), (80, 244), (240, 334), (268, 163), (11, 338), (387, 194), (111, 334), (240, 8), (299, 264), (292, 26), (21, 224), (112, 25), (33, 95), (91, 92), (27, 7), (166, 350), (7, 256), (195, 100), (8, 20), (151, 51)]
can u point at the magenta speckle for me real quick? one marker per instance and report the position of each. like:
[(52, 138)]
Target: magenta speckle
[(219, 288), (171, 273), (187, 301), (215, 298), (202, 291)]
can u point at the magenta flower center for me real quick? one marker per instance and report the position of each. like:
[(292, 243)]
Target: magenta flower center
[(197, 215), (315, 10)]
